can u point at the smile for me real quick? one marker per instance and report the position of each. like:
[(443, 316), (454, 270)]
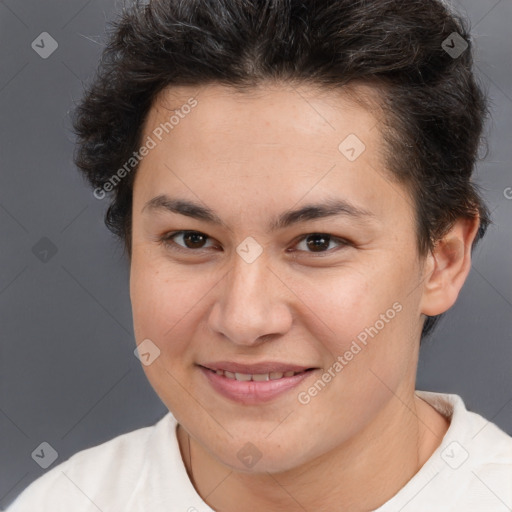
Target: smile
[(254, 388), (259, 377)]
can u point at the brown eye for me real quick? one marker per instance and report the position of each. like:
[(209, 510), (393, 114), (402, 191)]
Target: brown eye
[(319, 242), (191, 240), (194, 240)]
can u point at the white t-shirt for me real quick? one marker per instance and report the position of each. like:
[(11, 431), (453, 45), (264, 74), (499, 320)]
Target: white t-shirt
[(143, 471)]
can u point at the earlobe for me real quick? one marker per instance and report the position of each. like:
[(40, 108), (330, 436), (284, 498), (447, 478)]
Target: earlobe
[(448, 266)]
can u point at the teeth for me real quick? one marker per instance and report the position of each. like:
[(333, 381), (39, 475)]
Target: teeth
[(262, 376), (245, 377)]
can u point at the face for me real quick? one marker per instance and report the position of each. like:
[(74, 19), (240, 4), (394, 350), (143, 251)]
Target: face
[(227, 281)]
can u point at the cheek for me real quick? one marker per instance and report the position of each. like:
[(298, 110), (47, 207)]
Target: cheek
[(169, 305), (363, 328), (366, 317), (160, 302), (343, 303), (163, 312)]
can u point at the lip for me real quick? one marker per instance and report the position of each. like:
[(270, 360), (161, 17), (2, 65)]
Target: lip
[(255, 368), (255, 392)]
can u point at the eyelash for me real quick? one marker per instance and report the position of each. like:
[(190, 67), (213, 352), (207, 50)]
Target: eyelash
[(167, 241)]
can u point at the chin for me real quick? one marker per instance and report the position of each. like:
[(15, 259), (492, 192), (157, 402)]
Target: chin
[(265, 464), (256, 454)]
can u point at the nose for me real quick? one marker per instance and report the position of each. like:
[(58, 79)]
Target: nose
[(251, 305)]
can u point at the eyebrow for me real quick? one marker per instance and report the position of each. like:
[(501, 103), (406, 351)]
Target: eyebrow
[(329, 208)]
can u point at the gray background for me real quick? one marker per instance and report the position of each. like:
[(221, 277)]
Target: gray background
[(68, 375)]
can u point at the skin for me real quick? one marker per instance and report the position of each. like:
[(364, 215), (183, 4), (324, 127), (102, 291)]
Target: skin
[(249, 158)]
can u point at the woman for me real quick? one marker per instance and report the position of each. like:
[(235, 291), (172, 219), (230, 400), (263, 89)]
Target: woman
[(292, 182)]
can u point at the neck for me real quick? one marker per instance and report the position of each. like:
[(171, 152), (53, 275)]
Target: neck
[(359, 475)]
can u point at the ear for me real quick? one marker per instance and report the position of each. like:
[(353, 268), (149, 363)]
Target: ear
[(447, 267)]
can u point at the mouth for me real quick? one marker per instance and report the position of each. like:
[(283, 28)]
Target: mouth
[(257, 377), (256, 383)]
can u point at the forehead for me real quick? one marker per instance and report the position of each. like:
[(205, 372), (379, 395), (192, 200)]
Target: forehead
[(272, 113), (278, 142)]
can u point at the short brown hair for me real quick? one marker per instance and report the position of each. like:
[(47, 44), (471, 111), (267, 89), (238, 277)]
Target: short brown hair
[(435, 109)]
